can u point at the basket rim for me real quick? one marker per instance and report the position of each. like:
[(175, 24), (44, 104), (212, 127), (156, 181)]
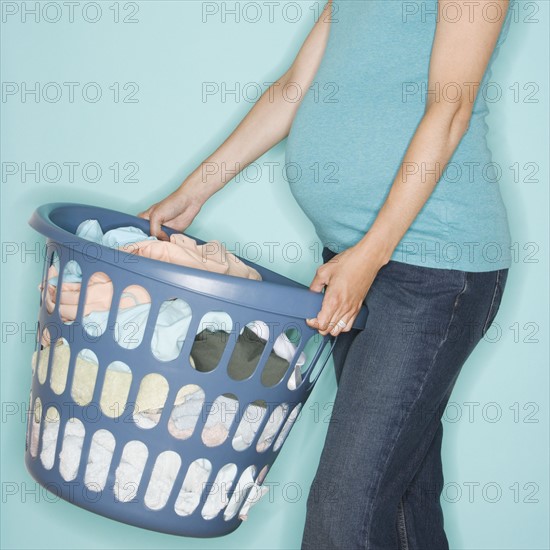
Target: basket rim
[(299, 301)]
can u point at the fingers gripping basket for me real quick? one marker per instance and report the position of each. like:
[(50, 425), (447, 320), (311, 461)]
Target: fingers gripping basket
[(104, 431)]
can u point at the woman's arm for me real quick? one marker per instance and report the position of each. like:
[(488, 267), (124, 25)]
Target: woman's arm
[(460, 54), (267, 123)]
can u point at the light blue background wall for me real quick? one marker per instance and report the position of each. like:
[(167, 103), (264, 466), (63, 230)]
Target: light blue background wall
[(169, 52)]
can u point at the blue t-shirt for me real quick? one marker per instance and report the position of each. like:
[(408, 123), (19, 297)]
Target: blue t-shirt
[(353, 127)]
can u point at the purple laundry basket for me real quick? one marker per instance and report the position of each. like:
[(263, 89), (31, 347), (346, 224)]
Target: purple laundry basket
[(281, 303)]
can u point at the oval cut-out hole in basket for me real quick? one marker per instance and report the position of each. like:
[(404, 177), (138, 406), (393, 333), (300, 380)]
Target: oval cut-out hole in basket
[(193, 486), (312, 347), (186, 411), (244, 485), (213, 334), (98, 301), (51, 281), (272, 426), (99, 460), (130, 470), (286, 428), (150, 400), (71, 449), (249, 425), (248, 351), (36, 419), (171, 329), (69, 294), (85, 376), (116, 385), (60, 366), (162, 480), (221, 414), (217, 498), (133, 311), (49, 437)]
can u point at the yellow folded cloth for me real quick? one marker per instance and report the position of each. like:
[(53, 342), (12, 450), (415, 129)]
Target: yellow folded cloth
[(151, 396)]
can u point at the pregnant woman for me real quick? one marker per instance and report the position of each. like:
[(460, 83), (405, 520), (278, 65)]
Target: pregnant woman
[(407, 205)]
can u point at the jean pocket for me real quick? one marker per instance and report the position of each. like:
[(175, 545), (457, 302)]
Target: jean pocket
[(500, 283)]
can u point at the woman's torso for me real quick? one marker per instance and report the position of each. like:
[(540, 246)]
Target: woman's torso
[(354, 125)]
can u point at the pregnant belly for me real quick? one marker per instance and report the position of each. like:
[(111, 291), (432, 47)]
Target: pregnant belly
[(341, 161), (338, 154)]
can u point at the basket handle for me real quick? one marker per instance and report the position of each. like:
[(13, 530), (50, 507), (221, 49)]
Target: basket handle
[(358, 324), (361, 318)]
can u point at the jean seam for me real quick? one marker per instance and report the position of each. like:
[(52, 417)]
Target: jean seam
[(402, 526), (493, 299), (366, 524)]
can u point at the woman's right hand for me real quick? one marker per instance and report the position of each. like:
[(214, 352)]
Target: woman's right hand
[(177, 211)]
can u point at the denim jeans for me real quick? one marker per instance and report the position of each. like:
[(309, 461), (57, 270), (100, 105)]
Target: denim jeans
[(379, 479)]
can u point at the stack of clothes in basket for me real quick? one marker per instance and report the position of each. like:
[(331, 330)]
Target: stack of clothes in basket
[(170, 331)]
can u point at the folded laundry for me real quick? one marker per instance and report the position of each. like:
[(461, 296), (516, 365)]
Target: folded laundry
[(189, 414), (91, 230), (151, 397), (171, 329), (118, 377), (180, 249), (133, 310), (209, 346), (130, 470), (212, 256), (170, 332), (148, 405)]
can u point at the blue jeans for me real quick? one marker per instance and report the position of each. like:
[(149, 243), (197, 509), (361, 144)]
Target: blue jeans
[(379, 479)]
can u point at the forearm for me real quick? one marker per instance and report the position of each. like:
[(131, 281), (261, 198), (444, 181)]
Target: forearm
[(433, 144), (268, 122), (265, 125), (460, 53)]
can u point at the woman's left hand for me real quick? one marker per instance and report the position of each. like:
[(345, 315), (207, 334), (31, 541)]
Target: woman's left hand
[(348, 277)]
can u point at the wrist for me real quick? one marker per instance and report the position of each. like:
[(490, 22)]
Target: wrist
[(377, 246), (197, 190)]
